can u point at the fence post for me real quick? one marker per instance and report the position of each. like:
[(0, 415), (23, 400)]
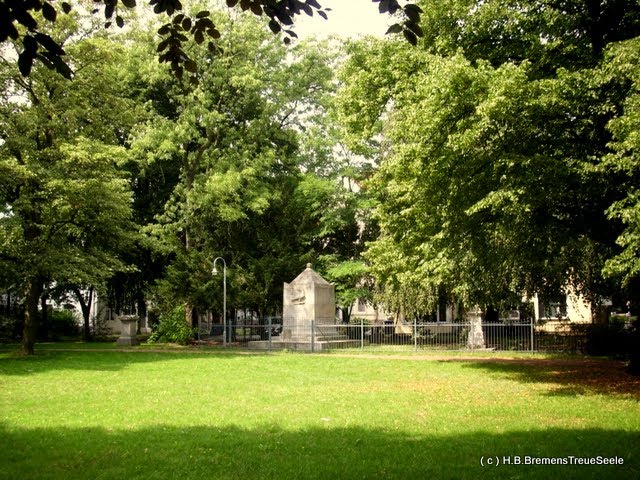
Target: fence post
[(415, 334), (362, 333), (269, 333), (532, 334)]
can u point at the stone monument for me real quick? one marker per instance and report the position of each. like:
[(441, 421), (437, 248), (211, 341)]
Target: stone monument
[(308, 316), (475, 340), (308, 303), (129, 330)]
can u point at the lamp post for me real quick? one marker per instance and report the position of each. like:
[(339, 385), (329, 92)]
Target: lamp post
[(224, 296)]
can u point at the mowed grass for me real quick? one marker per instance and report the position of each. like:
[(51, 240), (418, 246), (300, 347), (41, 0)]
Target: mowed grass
[(219, 415)]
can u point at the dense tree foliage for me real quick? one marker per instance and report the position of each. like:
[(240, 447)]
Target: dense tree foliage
[(495, 160), (622, 66), (66, 205), (491, 140), (239, 165)]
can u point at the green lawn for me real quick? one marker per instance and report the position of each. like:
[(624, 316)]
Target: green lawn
[(222, 415)]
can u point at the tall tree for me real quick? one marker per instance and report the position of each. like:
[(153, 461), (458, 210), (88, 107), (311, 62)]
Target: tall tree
[(235, 139), (489, 182), (622, 67), (568, 34), (66, 211)]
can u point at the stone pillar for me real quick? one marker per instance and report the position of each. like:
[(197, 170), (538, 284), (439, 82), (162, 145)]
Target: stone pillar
[(129, 330), (475, 340)]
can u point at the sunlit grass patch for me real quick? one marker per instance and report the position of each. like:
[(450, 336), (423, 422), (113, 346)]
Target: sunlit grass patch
[(96, 414)]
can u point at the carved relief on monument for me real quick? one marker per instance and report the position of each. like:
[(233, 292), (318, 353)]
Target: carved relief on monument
[(298, 296)]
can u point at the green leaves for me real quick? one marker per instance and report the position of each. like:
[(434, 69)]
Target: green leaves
[(281, 16), (410, 27), (483, 189), (171, 48), (25, 61), (395, 28), (622, 67), (233, 143), (70, 203), (411, 37)]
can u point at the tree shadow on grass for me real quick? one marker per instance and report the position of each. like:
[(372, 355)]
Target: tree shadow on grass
[(570, 377), (97, 360), (322, 452)]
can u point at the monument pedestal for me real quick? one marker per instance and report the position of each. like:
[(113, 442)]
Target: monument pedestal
[(129, 330)]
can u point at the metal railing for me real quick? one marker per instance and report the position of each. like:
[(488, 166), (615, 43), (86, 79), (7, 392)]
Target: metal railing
[(314, 337)]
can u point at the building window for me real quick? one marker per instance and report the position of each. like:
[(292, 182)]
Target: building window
[(553, 309), (362, 306)]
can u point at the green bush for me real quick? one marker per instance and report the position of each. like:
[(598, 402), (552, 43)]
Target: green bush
[(173, 328), (10, 328), (62, 323)]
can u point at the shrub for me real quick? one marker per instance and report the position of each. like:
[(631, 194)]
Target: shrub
[(612, 339), (62, 323), (10, 328), (173, 328)]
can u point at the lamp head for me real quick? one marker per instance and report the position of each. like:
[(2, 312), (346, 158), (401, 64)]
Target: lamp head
[(214, 272)]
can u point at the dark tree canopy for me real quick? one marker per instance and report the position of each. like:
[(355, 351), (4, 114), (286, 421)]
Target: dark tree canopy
[(281, 14)]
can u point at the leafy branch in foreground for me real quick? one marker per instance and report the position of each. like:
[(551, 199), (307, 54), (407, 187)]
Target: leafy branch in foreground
[(15, 14)]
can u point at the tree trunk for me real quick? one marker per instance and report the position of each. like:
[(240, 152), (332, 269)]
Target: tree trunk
[(634, 365), (142, 312), (44, 326), (189, 313), (30, 331), (85, 306), (346, 314), (595, 27)]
